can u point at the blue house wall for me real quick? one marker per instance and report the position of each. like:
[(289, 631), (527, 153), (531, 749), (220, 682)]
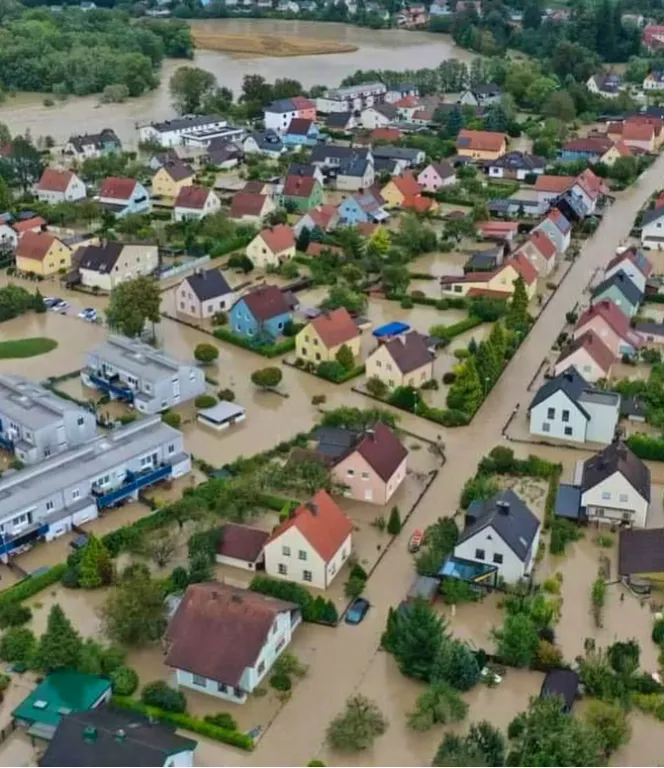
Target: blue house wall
[(245, 324), (350, 212), (567, 155)]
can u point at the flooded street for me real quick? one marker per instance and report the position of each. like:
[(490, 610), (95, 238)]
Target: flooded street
[(406, 50)]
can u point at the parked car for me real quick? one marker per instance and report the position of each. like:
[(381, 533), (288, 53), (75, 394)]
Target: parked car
[(415, 541), (89, 314), (49, 301), (357, 611), (60, 306)]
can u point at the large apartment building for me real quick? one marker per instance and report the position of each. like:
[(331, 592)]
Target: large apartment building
[(145, 377), (35, 424), (46, 500)]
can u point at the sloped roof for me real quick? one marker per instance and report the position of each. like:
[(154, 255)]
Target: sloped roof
[(322, 523), (558, 218), (218, 630), (278, 238), (265, 302), (242, 542), (542, 242), (299, 186), (387, 133), (382, 450), (100, 258), (620, 281), (34, 245), (523, 267), (55, 180), (193, 197), (594, 346), (558, 184), (444, 169), (177, 170), (28, 224), (322, 215), (407, 185), (571, 382), (208, 284), (610, 313), (617, 457), (409, 351), (335, 327), (592, 183), (247, 204), (509, 517), (488, 141), (640, 551), (636, 256), (300, 126), (117, 188), (638, 132), (597, 144)]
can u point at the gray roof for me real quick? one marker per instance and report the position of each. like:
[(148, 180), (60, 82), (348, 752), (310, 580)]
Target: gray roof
[(221, 411), (267, 140), (19, 490), (571, 382), (481, 261), (137, 358), (335, 441), (654, 329), (621, 281), (617, 457), (396, 153), (101, 258), (520, 161), (650, 216), (509, 517), (105, 136), (338, 119), (189, 121), (208, 284), (321, 152), (31, 405)]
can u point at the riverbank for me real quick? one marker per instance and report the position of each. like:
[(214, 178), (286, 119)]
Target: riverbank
[(267, 45)]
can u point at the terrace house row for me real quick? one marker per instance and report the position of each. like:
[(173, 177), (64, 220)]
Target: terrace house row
[(147, 378)]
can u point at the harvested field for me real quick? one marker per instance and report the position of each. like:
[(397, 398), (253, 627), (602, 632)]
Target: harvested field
[(267, 45)]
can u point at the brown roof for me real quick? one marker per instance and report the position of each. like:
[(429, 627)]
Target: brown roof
[(489, 141), (547, 183), (543, 243), (28, 224), (247, 204), (242, 542), (55, 180), (177, 170), (641, 551), (278, 238), (218, 630), (299, 126), (597, 144), (117, 187), (322, 523), (299, 186), (594, 346), (615, 318), (409, 351), (265, 302), (335, 327), (192, 197), (34, 245), (638, 132), (382, 450), (385, 134), (254, 186), (523, 267), (317, 249)]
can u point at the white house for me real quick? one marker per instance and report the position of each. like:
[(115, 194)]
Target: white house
[(500, 532), (171, 133), (379, 116), (58, 186), (272, 246), (106, 265), (203, 294), (633, 263), (615, 486), (195, 202), (8, 236), (312, 545), (223, 640), (568, 408)]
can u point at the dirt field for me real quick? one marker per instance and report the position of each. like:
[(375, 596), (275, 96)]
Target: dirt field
[(267, 45)]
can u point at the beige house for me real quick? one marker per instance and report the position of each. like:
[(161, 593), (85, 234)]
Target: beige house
[(202, 294), (323, 337), (173, 176), (404, 361), (106, 265), (251, 207), (312, 545), (272, 246)]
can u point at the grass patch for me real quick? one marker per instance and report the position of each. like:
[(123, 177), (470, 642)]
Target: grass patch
[(38, 345)]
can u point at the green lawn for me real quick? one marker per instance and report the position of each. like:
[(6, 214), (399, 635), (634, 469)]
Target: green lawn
[(26, 347)]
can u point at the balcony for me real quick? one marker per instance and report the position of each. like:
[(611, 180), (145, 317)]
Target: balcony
[(133, 482), (112, 387), (28, 535)]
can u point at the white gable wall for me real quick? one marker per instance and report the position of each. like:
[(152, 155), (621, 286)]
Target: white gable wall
[(488, 547), (611, 499), (558, 417), (290, 555)]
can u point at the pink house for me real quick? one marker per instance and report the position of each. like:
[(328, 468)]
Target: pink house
[(373, 467), (306, 108), (611, 325), (437, 175)]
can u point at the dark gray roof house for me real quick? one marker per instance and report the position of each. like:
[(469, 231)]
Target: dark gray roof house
[(652, 215), (617, 457), (101, 258), (623, 283), (509, 516), (388, 151), (577, 389), (339, 121), (518, 161), (208, 284)]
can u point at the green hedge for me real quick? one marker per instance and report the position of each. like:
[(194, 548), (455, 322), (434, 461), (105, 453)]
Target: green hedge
[(551, 494), (450, 332), (347, 375), (228, 246), (646, 447), (266, 350), (186, 722), (277, 503), (655, 298), (313, 609), (31, 585)]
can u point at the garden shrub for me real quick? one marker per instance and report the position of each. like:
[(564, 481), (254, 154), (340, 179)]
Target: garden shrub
[(222, 720), (124, 681), (281, 682), (14, 615), (205, 401), (160, 694), (312, 609)]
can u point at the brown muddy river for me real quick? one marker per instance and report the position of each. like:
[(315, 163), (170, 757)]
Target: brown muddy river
[(394, 49)]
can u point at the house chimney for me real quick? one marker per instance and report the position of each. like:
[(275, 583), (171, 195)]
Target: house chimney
[(503, 507), (313, 508)]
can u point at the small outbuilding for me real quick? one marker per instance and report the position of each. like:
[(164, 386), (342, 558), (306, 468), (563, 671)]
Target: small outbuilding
[(222, 415), (563, 683)]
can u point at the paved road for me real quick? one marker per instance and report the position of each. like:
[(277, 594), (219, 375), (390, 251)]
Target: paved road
[(344, 656)]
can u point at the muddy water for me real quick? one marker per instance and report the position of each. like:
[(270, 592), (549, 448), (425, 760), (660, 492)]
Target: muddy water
[(396, 49)]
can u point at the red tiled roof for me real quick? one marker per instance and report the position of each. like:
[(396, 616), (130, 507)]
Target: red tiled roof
[(192, 197), (523, 267), (322, 215), (242, 542), (610, 313), (488, 141), (594, 346), (469, 277), (27, 224), (366, 228), (34, 245), (638, 132), (622, 148), (316, 249), (597, 144), (656, 122), (418, 203), (218, 630), (299, 126), (382, 450), (614, 128), (498, 227), (547, 183), (335, 327), (301, 102), (278, 238), (591, 183), (385, 134), (247, 204), (543, 244), (407, 185), (299, 186), (55, 180), (254, 186), (117, 188), (265, 302), (490, 294), (423, 114), (407, 102), (326, 529)]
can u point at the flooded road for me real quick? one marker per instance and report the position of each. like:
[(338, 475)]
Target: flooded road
[(393, 48)]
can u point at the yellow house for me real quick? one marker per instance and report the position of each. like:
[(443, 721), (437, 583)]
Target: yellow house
[(399, 190), (171, 178), (618, 150), (481, 145), (42, 254), (403, 361), (499, 282), (320, 340)]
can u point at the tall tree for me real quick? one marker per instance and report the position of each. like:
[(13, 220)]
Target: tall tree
[(498, 342), (456, 664), (189, 87), (95, 567), (490, 365), (517, 315), (134, 613), (417, 639), (484, 745), (60, 646), (25, 162), (532, 14), (132, 304), (466, 393)]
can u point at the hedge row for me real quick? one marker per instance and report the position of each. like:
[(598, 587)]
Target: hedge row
[(187, 722), (646, 447), (228, 246), (551, 494), (31, 585), (278, 503), (456, 329), (347, 375), (266, 350), (313, 609)]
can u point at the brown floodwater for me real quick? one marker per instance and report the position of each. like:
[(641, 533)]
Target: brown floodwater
[(394, 49)]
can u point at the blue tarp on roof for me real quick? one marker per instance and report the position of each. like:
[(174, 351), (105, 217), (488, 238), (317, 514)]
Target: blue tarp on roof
[(390, 329)]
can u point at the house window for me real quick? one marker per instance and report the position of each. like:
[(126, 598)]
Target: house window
[(49, 506), (80, 421), (568, 431), (365, 475), (565, 415), (551, 413), (546, 427), (623, 497), (479, 554), (75, 494), (350, 472), (497, 559), (260, 668), (282, 569), (302, 555), (221, 687), (606, 495), (306, 575), (285, 551), (171, 448), (198, 680), (378, 364)]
